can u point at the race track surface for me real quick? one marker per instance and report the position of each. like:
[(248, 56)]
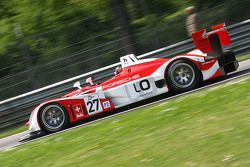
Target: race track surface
[(244, 69)]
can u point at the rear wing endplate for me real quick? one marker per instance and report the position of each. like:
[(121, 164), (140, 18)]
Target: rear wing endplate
[(213, 41)]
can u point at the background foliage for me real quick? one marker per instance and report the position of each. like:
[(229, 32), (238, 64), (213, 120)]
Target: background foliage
[(43, 42)]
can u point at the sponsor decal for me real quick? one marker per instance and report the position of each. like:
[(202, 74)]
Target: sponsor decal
[(208, 62), (78, 111), (90, 97), (141, 89), (145, 94), (106, 104), (142, 86), (92, 103), (79, 115), (125, 61), (122, 81)]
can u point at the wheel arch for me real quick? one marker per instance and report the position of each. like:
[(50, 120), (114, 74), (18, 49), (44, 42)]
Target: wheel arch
[(47, 104), (195, 63)]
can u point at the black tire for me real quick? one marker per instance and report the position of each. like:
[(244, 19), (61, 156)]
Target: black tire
[(53, 118), (182, 75)]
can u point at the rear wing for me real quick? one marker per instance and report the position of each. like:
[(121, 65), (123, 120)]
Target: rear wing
[(212, 42)]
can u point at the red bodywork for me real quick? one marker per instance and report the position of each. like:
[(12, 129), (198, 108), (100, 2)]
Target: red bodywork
[(75, 105), (134, 72), (201, 38), (128, 74)]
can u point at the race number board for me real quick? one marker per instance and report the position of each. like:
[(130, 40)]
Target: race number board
[(93, 104)]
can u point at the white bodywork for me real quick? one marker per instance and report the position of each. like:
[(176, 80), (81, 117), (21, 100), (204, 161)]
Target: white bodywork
[(125, 94)]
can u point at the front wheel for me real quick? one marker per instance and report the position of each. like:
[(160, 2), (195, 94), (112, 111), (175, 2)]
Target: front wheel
[(182, 75), (53, 118)]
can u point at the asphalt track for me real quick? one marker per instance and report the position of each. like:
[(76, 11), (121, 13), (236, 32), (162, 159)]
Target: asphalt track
[(243, 70)]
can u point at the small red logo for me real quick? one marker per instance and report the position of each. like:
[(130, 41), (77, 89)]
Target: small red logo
[(78, 111)]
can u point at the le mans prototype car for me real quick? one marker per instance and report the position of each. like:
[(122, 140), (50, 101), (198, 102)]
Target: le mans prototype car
[(136, 80)]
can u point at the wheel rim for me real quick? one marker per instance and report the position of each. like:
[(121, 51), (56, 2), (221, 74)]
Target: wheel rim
[(182, 75), (53, 117)]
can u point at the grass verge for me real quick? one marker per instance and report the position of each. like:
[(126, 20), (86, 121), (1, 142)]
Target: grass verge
[(206, 128), (12, 131), (244, 57)]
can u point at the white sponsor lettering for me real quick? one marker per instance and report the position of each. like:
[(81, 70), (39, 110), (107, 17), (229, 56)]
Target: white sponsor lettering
[(142, 94), (125, 80), (79, 115)]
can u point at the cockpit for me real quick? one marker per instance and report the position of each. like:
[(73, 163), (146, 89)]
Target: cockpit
[(118, 70)]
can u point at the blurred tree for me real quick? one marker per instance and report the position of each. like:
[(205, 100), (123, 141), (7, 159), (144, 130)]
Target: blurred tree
[(204, 4), (5, 9), (236, 10), (73, 34), (118, 12), (159, 6)]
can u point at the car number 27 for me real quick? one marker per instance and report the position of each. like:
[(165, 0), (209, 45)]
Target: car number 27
[(92, 104)]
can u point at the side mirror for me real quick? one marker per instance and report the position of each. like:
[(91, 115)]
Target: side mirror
[(77, 85), (89, 80)]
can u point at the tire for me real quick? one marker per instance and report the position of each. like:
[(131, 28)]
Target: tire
[(53, 118), (182, 75)]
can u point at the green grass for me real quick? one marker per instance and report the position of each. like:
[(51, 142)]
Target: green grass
[(12, 130), (244, 57), (209, 128)]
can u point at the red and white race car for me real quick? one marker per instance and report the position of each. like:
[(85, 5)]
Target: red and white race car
[(137, 80)]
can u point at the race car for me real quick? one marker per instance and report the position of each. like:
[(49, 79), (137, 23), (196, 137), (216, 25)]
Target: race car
[(138, 79)]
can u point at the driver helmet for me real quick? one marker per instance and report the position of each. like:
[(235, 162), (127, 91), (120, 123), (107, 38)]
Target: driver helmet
[(118, 70)]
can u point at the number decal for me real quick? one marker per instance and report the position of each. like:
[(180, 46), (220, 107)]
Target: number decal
[(142, 86), (92, 104), (141, 89), (89, 103)]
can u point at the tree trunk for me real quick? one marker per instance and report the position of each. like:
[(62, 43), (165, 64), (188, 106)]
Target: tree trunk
[(121, 20), (151, 26)]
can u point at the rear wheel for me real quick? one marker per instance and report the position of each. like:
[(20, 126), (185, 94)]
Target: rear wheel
[(53, 118), (183, 75)]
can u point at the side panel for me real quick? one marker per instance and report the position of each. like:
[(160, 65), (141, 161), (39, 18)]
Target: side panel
[(134, 91), (209, 69), (132, 73), (75, 108), (144, 85)]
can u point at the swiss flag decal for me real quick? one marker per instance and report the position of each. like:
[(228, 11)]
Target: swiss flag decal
[(78, 111)]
